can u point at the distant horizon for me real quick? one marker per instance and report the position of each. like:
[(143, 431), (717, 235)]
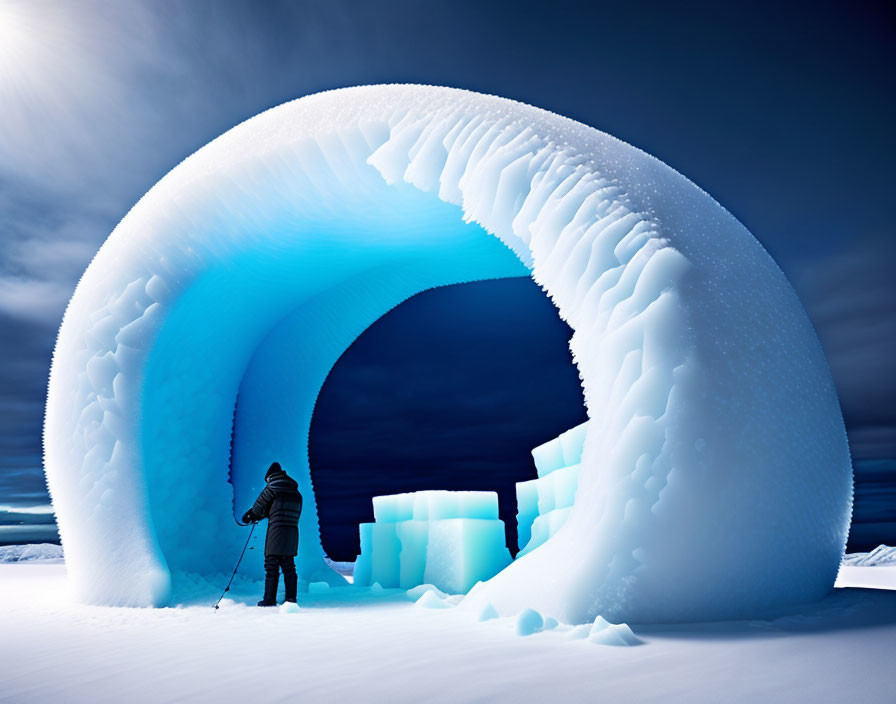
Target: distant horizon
[(347, 475)]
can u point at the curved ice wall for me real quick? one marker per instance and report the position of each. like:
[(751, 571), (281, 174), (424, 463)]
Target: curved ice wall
[(716, 480)]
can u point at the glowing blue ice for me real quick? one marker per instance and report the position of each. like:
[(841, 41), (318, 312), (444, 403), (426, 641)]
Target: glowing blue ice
[(450, 539)]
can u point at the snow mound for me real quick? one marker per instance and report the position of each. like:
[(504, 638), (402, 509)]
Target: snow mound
[(881, 555), (605, 633), (716, 449), (421, 589), (528, 622), (30, 553), (431, 600), (488, 612)]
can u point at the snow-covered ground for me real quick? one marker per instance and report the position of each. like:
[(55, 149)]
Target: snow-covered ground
[(356, 645), (871, 570), (30, 553)]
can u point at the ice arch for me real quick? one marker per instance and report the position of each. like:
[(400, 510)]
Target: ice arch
[(716, 479)]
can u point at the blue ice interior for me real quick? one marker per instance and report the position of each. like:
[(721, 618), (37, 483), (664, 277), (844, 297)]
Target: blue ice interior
[(266, 322)]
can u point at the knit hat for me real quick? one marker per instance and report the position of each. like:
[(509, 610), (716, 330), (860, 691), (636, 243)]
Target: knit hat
[(275, 468)]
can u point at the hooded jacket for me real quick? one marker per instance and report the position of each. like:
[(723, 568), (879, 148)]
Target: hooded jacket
[(281, 503)]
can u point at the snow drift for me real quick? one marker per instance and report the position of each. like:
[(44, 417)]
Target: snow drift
[(715, 479), (30, 552), (882, 555)]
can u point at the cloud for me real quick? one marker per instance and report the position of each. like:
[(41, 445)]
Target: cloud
[(32, 298), (36, 510), (17, 535), (99, 100), (64, 81), (27, 524), (46, 242), (39, 271), (850, 296)]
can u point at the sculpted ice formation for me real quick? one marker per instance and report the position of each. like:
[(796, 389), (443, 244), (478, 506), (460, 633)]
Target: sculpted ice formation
[(715, 479), (543, 504), (450, 539)]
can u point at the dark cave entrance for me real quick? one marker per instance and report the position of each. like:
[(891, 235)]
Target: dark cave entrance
[(449, 390)]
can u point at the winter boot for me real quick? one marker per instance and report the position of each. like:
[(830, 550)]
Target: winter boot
[(270, 589), (290, 582)]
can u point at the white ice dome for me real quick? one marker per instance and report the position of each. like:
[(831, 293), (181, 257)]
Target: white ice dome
[(715, 482)]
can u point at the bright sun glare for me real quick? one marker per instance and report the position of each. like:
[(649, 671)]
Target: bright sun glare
[(13, 27), (18, 39), (41, 61)]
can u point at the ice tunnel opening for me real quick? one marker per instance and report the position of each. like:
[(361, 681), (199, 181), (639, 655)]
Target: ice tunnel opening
[(450, 390), (235, 371)]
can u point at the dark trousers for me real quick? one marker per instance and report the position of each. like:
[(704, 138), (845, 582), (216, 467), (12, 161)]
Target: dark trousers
[(273, 564)]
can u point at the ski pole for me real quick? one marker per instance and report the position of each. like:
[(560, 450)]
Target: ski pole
[(227, 588)]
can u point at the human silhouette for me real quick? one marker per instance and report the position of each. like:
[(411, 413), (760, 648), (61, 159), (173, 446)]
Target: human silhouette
[(281, 503)]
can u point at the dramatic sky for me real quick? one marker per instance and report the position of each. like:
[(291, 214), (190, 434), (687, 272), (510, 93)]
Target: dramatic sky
[(784, 115)]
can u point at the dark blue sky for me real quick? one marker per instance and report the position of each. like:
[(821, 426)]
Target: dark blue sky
[(784, 113), (450, 390)]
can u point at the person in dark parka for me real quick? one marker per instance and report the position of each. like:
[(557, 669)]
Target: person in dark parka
[(281, 503)]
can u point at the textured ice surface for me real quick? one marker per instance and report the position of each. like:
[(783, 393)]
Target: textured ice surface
[(450, 539), (463, 551), (379, 558), (543, 504), (433, 505), (881, 555), (211, 316), (563, 451), (556, 490), (545, 526), (526, 511)]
